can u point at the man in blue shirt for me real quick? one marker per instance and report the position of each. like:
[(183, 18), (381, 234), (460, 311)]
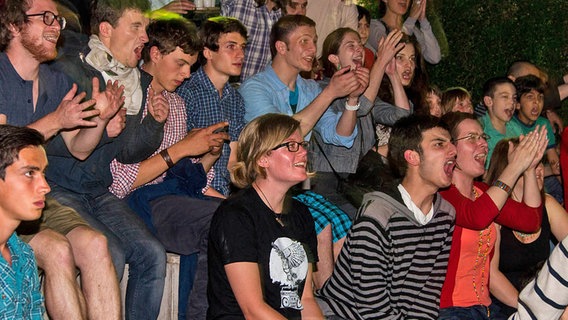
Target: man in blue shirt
[(32, 94), (22, 197), (281, 89), (210, 99)]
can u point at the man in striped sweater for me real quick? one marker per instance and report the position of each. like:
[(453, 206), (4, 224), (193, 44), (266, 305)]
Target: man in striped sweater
[(546, 296), (394, 260)]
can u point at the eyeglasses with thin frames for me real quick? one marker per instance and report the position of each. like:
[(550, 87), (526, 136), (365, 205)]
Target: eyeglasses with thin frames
[(473, 137), (50, 17), (293, 146)]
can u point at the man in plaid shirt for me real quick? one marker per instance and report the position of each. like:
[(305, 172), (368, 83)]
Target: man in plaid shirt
[(258, 17), (209, 98)]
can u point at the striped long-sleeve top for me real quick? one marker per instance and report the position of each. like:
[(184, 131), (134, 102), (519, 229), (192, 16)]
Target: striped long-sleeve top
[(391, 266), (546, 297)]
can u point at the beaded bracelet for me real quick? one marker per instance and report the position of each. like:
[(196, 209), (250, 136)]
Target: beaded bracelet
[(166, 156), (503, 186)]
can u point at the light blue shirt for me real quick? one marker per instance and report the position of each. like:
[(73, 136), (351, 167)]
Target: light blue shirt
[(266, 93)]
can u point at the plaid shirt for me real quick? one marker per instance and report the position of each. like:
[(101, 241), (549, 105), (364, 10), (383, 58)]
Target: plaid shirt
[(258, 21), (20, 295), (124, 175), (205, 107)]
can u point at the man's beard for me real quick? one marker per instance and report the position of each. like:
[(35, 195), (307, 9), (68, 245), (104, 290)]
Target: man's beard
[(34, 46)]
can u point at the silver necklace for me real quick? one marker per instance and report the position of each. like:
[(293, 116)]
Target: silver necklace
[(277, 216)]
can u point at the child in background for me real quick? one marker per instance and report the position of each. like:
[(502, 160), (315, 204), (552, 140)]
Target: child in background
[(456, 99), (530, 98), (363, 26)]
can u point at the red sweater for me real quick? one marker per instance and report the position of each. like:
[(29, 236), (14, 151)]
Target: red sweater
[(472, 216)]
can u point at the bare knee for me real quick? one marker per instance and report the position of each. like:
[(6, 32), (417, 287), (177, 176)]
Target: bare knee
[(53, 251), (88, 245)]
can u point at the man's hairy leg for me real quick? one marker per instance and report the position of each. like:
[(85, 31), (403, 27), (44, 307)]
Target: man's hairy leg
[(63, 298), (98, 276)]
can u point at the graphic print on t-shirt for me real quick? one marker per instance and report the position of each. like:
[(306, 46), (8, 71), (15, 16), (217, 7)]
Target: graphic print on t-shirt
[(289, 267)]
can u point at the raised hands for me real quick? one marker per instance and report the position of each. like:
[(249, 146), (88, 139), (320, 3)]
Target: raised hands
[(348, 82), (116, 124), (418, 9), (389, 46), (108, 102), (528, 153), (158, 106), (72, 113)]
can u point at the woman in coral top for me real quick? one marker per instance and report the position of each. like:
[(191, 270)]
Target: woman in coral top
[(465, 294)]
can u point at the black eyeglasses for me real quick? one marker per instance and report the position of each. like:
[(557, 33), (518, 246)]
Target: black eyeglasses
[(49, 17), (293, 146), (473, 137)]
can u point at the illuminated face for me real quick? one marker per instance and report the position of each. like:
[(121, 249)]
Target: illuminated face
[(471, 148), (23, 190), (530, 106), (350, 53), (171, 69), (502, 105), (406, 64), (127, 39), (286, 166), (38, 38), (437, 159), (398, 7), (463, 106), (228, 60), (301, 48)]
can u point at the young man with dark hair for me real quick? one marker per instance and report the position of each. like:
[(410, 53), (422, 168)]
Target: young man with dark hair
[(530, 102), (500, 98), (22, 198), (33, 94), (406, 229), (156, 187), (113, 53), (210, 99)]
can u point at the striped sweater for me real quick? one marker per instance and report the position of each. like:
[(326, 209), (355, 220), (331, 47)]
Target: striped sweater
[(546, 296), (391, 267)]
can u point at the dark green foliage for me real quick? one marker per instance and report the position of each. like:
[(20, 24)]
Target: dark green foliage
[(484, 37)]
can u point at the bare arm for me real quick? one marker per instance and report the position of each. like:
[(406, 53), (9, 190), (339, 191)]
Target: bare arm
[(197, 142), (244, 278), (557, 216), (400, 98), (499, 285), (388, 47), (311, 308), (342, 84), (524, 157), (83, 141)]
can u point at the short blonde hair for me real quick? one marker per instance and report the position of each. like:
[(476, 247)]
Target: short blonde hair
[(258, 138)]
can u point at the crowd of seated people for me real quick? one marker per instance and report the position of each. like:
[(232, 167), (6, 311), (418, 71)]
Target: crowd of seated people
[(243, 167)]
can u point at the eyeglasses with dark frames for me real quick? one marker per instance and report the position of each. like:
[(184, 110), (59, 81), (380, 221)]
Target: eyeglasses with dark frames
[(473, 137), (50, 17), (293, 146)]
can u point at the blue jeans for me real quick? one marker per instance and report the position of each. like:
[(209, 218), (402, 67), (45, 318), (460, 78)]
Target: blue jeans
[(478, 312), (130, 242)]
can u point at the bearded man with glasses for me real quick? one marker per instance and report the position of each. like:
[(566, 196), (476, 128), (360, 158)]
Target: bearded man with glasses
[(34, 95)]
